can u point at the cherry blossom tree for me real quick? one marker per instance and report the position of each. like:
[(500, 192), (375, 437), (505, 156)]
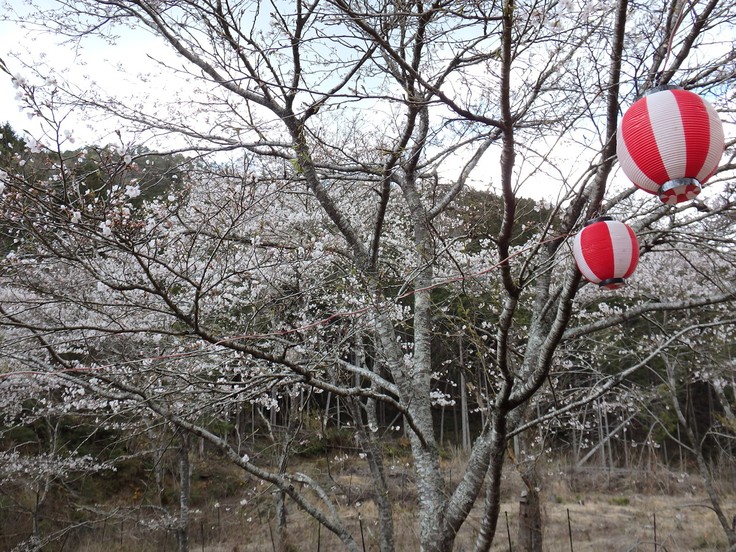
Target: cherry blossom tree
[(38, 457), (325, 253)]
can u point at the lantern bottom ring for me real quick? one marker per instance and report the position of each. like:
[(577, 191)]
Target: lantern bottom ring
[(612, 283), (679, 189)]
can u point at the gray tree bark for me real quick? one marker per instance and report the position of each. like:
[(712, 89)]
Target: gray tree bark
[(182, 532)]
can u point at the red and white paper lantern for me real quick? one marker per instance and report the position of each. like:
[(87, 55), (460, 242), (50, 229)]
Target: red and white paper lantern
[(606, 252), (669, 143)]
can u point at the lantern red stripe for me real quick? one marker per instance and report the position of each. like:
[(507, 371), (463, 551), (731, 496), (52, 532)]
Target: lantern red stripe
[(630, 168), (633, 251), (581, 261), (595, 243), (641, 143), (696, 126)]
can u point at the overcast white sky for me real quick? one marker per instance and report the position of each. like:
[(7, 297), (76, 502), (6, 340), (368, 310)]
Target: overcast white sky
[(116, 68), (96, 63), (11, 39)]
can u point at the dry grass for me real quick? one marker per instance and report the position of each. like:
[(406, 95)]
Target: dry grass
[(599, 522), (683, 525), (608, 511), (603, 522)]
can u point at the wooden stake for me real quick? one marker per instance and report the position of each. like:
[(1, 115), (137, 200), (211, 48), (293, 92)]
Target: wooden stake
[(655, 531), (270, 532), (362, 538), (569, 529), (508, 530)]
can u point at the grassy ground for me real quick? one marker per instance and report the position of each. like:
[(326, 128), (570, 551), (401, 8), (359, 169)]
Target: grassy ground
[(583, 511), (599, 523)]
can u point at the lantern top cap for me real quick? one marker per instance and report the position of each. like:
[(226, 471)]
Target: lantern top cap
[(660, 88), (602, 218)]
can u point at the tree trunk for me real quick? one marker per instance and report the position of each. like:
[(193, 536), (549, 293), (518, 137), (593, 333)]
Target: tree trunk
[(182, 531), (530, 521), (282, 535), (293, 423), (374, 458), (530, 512), (464, 417)]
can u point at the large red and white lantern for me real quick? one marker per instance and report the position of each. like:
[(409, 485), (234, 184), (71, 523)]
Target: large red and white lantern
[(606, 252), (669, 143)]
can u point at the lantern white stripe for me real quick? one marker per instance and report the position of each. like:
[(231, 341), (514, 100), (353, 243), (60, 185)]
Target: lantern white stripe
[(621, 241), (715, 148), (669, 132)]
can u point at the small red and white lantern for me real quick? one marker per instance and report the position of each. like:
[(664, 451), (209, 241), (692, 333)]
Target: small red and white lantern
[(669, 143), (606, 252)]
